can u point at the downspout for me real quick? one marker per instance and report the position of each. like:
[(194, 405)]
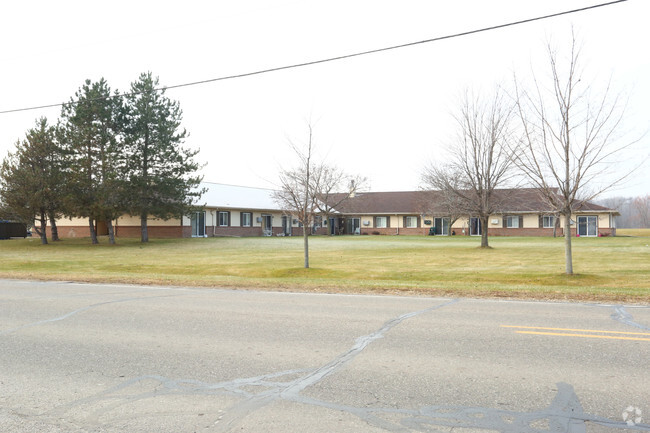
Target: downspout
[(397, 218), (213, 223)]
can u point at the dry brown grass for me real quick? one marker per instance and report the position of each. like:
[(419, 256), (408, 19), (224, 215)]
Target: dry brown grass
[(633, 232), (607, 269)]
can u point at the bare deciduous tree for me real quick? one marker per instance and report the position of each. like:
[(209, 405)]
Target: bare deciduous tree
[(296, 194), (480, 162), (641, 207), (624, 207), (333, 187), (439, 198), (311, 187), (569, 138)]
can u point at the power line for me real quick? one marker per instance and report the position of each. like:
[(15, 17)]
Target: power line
[(346, 56)]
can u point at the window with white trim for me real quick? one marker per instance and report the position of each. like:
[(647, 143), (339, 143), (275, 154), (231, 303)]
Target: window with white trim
[(246, 219), (512, 222), (548, 221), (224, 219), (381, 222), (411, 222)]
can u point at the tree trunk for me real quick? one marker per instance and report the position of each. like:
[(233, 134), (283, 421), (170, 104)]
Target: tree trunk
[(111, 231), (55, 230), (305, 235), (43, 231), (93, 233), (484, 232), (144, 230), (568, 256)]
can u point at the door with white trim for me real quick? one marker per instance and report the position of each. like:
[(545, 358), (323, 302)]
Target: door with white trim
[(267, 225), (475, 227), (197, 221), (588, 225)]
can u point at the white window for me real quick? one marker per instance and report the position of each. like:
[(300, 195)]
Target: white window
[(411, 222), (512, 222), (223, 219), (381, 222), (548, 222), (246, 219)]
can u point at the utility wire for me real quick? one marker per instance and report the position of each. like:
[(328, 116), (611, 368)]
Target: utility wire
[(346, 56)]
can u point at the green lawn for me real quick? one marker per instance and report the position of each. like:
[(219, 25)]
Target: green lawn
[(607, 269)]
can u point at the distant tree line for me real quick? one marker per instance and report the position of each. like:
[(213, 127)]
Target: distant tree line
[(635, 211), (109, 154)]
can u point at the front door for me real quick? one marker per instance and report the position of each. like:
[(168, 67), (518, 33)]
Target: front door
[(267, 225), (353, 226), (333, 226), (441, 226), (475, 227), (286, 225), (197, 222), (587, 226)]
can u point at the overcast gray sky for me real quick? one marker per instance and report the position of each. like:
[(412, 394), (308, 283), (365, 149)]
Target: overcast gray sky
[(383, 115)]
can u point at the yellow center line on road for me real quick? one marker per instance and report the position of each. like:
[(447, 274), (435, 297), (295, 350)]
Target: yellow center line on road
[(576, 330), (609, 337), (584, 333)]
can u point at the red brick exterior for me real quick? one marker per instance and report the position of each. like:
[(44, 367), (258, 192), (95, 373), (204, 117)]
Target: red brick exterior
[(395, 231), (238, 231), (70, 231), (540, 232), (235, 231), (120, 231), (523, 232), (548, 232), (153, 231)]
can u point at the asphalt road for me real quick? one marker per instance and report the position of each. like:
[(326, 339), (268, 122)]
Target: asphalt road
[(116, 358)]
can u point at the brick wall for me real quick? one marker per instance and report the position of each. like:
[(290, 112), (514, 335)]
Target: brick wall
[(235, 231), (186, 231), (70, 231), (525, 231), (153, 231)]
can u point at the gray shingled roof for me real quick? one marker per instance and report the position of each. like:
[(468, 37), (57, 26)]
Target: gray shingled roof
[(515, 200)]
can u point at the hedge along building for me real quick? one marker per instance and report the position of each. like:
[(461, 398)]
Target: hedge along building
[(229, 210)]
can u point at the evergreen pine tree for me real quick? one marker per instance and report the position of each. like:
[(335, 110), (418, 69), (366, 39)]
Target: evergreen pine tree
[(159, 170)]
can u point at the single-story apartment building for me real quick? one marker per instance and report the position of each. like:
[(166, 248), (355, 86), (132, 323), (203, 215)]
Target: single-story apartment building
[(230, 210), (522, 212), (224, 210)]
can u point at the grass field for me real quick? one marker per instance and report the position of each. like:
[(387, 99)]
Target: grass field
[(633, 232), (607, 269)]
